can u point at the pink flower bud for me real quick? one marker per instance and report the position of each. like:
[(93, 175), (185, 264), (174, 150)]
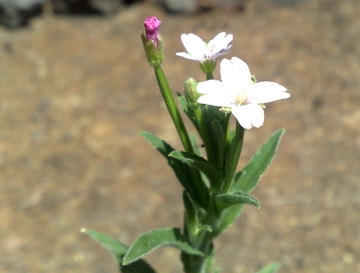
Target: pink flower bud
[(152, 29)]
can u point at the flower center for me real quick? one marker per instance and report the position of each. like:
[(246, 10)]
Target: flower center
[(240, 98)]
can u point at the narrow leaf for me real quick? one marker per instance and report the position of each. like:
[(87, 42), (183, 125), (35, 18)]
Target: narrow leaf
[(209, 262), (157, 238), (196, 145), (190, 215), (159, 144), (224, 201), (199, 163), (188, 111), (197, 150), (271, 268), (252, 172), (119, 250), (228, 218), (182, 171), (247, 179)]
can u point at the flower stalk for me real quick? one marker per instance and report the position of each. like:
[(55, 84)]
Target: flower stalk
[(172, 108)]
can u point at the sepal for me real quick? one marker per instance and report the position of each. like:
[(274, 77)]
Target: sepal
[(154, 53), (208, 67)]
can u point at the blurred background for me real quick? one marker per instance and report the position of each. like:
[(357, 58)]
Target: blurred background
[(76, 90)]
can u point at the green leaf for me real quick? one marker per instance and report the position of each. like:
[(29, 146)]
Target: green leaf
[(223, 201), (197, 150), (228, 218), (271, 268), (119, 250), (199, 163), (209, 262), (188, 111), (247, 179), (250, 175), (190, 215), (157, 238), (160, 145), (196, 145), (182, 171)]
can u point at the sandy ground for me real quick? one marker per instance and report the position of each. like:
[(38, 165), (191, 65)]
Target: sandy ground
[(75, 92)]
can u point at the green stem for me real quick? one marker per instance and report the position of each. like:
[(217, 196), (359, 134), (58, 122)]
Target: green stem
[(200, 113), (233, 158), (209, 76), (199, 186), (172, 108)]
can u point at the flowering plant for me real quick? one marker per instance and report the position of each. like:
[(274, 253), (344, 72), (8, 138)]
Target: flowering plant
[(214, 192)]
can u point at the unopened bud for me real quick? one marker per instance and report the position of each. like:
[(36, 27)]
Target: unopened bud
[(152, 41), (152, 29), (191, 95)]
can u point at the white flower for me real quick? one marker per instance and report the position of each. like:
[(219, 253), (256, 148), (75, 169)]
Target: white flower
[(236, 91), (200, 51)]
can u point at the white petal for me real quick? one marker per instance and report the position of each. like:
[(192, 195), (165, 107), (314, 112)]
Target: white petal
[(214, 46), (228, 39), (227, 72), (210, 86), (217, 99), (235, 73), (249, 115), (222, 45), (263, 92), (243, 71), (194, 44), (188, 56), (218, 38), (221, 52)]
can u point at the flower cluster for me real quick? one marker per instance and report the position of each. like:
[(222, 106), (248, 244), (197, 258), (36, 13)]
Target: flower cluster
[(236, 92)]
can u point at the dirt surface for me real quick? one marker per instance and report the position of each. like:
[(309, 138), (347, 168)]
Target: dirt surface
[(75, 92)]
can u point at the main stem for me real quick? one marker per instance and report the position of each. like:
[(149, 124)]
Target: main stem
[(172, 108), (199, 186)]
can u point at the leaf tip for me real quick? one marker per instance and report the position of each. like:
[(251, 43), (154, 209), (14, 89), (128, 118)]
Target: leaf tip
[(126, 261)]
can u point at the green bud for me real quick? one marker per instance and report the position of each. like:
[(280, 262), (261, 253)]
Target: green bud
[(191, 95), (154, 51)]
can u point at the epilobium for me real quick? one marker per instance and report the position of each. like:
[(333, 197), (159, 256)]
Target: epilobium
[(200, 51), (237, 92)]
